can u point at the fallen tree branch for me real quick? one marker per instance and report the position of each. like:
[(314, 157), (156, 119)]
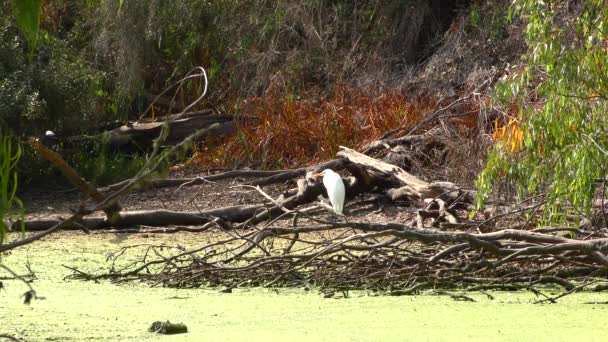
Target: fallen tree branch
[(112, 209), (48, 228), (152, 218)]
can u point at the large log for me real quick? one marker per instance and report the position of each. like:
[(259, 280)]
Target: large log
[(141, 134), (153, 218), (417, 184), (144, 133)]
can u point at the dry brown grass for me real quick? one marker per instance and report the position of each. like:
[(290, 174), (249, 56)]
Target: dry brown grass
[(291, 131)]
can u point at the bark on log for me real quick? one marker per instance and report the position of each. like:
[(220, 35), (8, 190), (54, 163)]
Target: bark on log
[(403, 193), (142, 133), (412, 186)]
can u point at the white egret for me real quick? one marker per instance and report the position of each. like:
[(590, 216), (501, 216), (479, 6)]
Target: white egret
[(335, 189)]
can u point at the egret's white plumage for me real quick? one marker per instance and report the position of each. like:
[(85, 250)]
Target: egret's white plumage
[(49, 133), (335, 189)]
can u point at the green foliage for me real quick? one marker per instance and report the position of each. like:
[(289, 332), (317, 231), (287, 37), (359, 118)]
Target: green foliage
[(18, 96), (56, 91), (102, 167), (27, 15), (562, 94), (9, 156), (488, 19), (475, 15), (69, 86)]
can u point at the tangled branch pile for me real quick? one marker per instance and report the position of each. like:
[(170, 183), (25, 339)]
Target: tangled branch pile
[(390, 257), (437, 247), (398, 258)]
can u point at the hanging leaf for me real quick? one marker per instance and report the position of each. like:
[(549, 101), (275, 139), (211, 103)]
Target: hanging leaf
[(27, 15), (120, 3)]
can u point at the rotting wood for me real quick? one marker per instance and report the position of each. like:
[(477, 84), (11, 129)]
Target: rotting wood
[(402, 193), (141, 134), (418, 185)]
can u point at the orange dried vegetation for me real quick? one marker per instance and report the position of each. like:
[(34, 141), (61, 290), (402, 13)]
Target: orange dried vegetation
[(288, 131)]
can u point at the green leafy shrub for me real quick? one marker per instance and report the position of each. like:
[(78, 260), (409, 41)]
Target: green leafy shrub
[(102, 167), (20, 103), (56, 91), (561, 96)]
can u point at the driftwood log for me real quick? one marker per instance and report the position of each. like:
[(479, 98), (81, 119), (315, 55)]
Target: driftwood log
[(412, 186), (152, 218), (142, 134), (307, 191)]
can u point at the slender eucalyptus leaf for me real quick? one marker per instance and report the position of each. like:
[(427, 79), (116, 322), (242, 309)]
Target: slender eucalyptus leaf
[(561, 124), (27, 16)]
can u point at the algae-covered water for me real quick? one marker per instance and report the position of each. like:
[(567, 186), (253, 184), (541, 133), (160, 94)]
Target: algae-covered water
[(88, 311)]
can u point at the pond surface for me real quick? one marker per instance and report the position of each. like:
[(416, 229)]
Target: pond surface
[(86, 311)]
